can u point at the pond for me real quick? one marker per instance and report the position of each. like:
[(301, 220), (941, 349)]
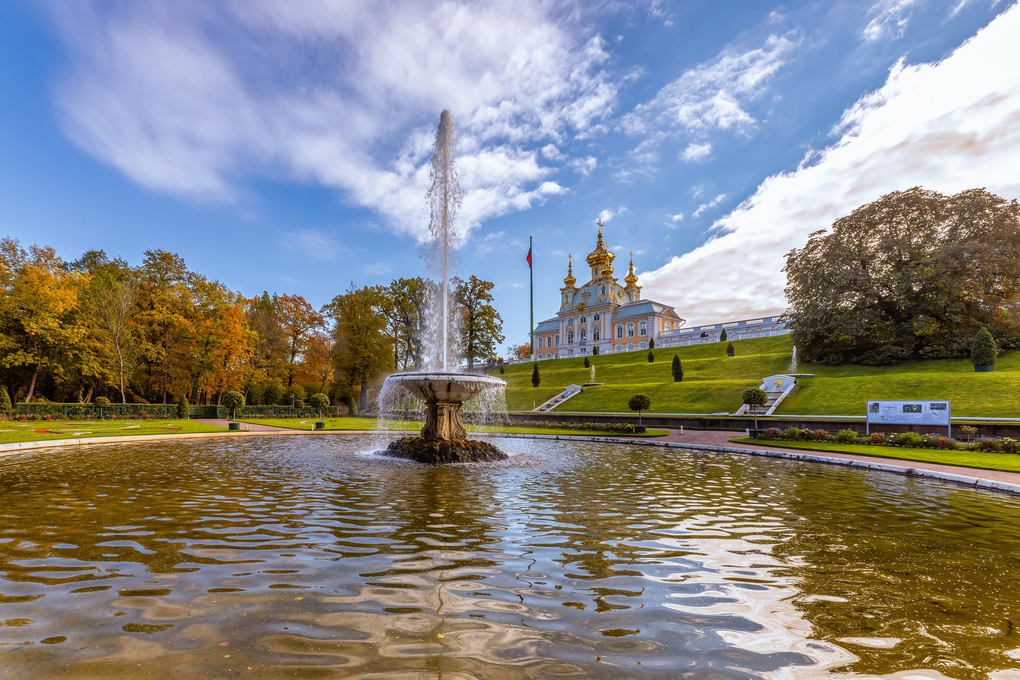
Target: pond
[(309, 557)]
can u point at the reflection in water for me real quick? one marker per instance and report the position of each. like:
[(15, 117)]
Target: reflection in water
[(304, 557)]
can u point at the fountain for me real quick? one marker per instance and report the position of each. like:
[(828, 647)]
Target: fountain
[(443, 438), (793, 360)]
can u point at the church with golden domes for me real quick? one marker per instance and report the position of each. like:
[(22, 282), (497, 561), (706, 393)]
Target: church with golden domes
[(601, 316)]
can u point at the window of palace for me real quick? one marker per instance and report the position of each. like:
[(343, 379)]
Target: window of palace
[(630, 330), (597, 316), (570, 321), (595, 334), (538, 342), (603, 290), (584, 335), (643, 328), (667, 326), (584, 319), (570, 337), (548, 341), (619, 332), (557, 336)]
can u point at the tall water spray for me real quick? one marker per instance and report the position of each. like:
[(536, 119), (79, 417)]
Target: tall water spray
[(444, 199)]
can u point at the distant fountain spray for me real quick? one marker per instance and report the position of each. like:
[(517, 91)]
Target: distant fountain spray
[(443, 438), (793, 360)]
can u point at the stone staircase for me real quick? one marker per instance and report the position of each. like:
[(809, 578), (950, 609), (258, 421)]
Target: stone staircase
[(569, 392)]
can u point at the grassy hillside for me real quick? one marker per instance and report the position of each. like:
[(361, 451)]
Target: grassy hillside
[(713, 382)]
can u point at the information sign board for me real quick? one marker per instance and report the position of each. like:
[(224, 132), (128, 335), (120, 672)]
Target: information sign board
[(910, 412)]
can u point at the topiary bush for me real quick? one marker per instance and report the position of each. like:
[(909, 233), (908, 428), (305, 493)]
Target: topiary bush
[(722, 336), (729, 350), (587, 364), (651, 343), (639, 403), (651, 356), (319, 401), (102, 403), (183, 408), (233, 400), (677, 369), (501, 369), (983, 349), (536, 379), (5, 403), (754, 397)]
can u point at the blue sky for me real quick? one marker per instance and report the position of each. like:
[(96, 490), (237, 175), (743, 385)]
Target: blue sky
[(284, 146)]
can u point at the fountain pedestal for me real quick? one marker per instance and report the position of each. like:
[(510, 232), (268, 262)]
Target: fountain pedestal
[(444, 437)]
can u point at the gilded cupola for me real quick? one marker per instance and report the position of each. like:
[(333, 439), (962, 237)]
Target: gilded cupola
[(600, 260), (570, 280), (631, 278)]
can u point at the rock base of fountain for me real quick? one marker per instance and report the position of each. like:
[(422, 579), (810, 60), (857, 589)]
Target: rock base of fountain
[(440, 452)]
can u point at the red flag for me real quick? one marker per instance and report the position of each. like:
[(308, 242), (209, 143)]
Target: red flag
[(529, 258)]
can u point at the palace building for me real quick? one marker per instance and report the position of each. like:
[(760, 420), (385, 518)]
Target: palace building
[(601, 316)]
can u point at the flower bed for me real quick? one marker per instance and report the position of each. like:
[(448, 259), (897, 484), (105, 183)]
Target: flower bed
[(615, 428), (910, 440)]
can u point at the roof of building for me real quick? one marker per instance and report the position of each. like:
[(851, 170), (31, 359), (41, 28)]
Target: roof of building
[(640, 308), (548, 325)]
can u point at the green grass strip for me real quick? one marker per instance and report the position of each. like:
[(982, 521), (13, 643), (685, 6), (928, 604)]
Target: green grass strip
[(370, 424), (40, 430), (1004, 462)]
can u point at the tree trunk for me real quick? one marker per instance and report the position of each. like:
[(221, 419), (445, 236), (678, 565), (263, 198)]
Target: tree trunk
[(88, 397), (363, 397), (31, 385), (120, 358)]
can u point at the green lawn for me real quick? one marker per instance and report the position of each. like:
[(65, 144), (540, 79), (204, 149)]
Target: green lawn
[(13, 432), (1007, 462), (371, 424), (714, 382)]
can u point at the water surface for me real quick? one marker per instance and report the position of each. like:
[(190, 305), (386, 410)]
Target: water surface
[(308, 558)]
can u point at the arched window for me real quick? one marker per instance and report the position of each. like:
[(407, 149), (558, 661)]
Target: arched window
[(596, 317), (584, 319), (668, 326), (570, 336), (538, 342), (557, 336), (595, 334), (603, 290), (643, 328), (570, 321), (619, 332), (583, 335), (548, 342), (630, 330)]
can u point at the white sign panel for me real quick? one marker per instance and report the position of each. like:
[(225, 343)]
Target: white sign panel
[(912, 412)]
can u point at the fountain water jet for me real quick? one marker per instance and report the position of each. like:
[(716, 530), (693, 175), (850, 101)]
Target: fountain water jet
[(444, 437)]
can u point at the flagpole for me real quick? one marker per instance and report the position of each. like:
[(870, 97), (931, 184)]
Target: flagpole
[(531, 272)]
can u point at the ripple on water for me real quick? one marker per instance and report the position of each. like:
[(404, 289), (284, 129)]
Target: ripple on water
[(579, 560)]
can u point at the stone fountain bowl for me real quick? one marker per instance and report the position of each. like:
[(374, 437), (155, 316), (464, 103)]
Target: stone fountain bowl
[(445, 386)]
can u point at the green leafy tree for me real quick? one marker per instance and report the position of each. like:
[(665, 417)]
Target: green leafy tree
[(272, 394), (5, 403), (481, 327), (722, 336), (639, 403), (536, 379), (233, 400), (587, 364), (677, 369), (404, 303), (729, 350), (319, 401), (102, 403), (352, 406), (754, 398), (183, 408), (364, 352), (913, 274), (651, 356), (983, 349)]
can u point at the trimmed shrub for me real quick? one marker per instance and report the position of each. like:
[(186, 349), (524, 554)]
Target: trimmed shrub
[(651, 343), (722, 336), (318, 402), (183, 408), (754, 397), (876, 438), (908, 439), (352, 406), (983, 349), (536, 379), (821, 435), (5, 403), (233, 400), (729, 350), (501, 369), (772, 433), (846, 436), (793, 434), (677, 369), (651, 356), (587, 364), (639, 403)]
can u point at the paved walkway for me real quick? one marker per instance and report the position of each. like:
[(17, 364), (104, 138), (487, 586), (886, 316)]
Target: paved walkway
[(721, 438)]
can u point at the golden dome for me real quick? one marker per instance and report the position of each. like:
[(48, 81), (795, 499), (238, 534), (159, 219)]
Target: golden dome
[(600, 260), (631, 278), (570, 280)]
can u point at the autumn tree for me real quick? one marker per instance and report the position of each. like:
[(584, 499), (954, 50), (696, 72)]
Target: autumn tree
[(164, 320), (480, 324), (913, 274), (298, 319), (404, 303), (521, 352), (363, 351)]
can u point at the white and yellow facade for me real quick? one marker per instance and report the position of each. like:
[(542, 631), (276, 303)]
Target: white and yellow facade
[(601, 316)]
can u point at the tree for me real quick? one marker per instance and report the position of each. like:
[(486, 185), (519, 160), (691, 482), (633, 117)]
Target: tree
[(319, 401), (319, 356), (183, 408), (233, 400), (298, 319), (114, 305), (272, 395), (651, 356), (722, 336), (522, 352), (639, 403), (501, 369), (651, 343), (587, 364), (729, 350), (536, 379), (983, 349), (352, 406), (754, 397), (102, 403), (404, 303), (363, 350), (913, 274), (480, 324), (5, 403), (677, 369)]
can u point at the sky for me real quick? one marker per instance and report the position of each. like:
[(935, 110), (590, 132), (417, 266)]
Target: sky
[(284, 146)]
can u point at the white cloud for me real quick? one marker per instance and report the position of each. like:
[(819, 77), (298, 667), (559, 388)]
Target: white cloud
[(314, 244), (552, 153), (937, 125), (695, 153), (711, 95), (890, 19), (585, 166), (498, 241), (190, 99), (609, 213), (378, 269), (673, 220), (706, 206)]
